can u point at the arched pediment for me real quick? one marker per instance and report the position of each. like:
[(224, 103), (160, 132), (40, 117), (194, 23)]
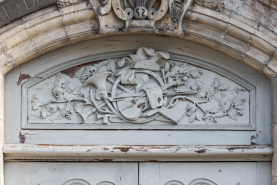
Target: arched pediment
[(224, 31)]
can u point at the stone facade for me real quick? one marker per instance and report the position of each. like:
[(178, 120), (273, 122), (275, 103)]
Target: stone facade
[(243, 30)]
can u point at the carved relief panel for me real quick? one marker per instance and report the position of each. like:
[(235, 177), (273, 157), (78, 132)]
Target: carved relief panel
[(148, 89), (151, 15)]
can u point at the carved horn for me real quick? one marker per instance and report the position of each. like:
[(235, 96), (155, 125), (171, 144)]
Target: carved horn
[(99, 81)]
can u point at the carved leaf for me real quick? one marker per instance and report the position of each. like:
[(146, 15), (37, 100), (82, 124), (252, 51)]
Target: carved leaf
[(166, 67), (164, 54), (227, 105), (198, 115), (233, 114), (223, 87), (206, 116), (240, 89), (184, 68), (111, 66), (36, 101), (149, 51), (196, 73), (121, 62), (214, 110), (120, 71), (218, 96), (201, 94), (52, 108), (197, 86), (216, 82), (45, 113), (135, 58), (239, 104), (175, 10), (192, 118), (191, 110), (78, 107)]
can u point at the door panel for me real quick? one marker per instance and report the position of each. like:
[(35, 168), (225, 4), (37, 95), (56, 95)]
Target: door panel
[(38, 173), (250, 173)]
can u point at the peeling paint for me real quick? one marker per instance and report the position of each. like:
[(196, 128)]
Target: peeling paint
[(22, 138), (201, 151), (23, 77), (123, 149), (72, 71)]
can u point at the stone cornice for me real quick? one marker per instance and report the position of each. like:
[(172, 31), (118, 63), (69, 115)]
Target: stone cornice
[(227, 32)]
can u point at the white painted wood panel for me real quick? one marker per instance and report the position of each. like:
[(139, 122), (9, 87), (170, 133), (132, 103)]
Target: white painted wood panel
[(136, 137), (206, 173), (38, 173), (14, 134)]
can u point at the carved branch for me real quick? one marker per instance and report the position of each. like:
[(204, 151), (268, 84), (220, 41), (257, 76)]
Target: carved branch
[(140, 91)]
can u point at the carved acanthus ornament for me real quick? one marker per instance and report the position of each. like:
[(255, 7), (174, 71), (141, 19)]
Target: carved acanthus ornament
[(139, 15), (143, 15), (139, 89)]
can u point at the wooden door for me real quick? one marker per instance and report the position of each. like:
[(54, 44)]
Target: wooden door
[(70, 173), (144, 173), (222, 173), (117, 108)]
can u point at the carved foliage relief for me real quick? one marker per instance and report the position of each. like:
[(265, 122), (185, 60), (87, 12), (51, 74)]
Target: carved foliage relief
[(146, 88)]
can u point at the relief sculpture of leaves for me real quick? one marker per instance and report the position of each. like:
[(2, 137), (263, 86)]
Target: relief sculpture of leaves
[(223, 87), (144, 87)]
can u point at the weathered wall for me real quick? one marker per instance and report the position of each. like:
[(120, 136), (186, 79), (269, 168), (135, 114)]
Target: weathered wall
[(245, 30), (256, 11)]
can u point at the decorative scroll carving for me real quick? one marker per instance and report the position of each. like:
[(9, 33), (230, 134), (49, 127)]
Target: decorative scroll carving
[(76, 182), (212, 4), (144, 87), (64, 3), (142, 15), (202, 182)]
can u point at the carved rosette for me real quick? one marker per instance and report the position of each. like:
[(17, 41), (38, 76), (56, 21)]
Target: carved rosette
[(144, 88)]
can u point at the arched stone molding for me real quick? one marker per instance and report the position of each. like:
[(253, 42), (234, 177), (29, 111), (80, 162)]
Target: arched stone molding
[(53, 28)]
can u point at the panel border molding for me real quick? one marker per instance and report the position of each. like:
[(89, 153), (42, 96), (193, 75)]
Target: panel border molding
[(106, 153), (176, 57)]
